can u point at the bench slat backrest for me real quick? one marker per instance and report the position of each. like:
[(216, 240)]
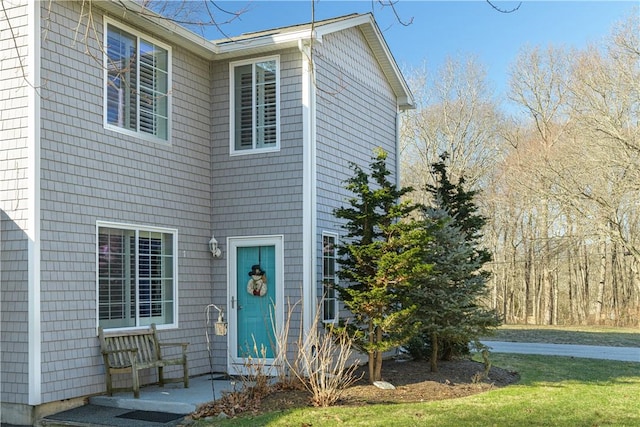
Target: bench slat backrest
[(143, 340)]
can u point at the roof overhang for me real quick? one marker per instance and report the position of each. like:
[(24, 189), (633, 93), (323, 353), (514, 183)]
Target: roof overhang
[(385, 59), (141, 17), (264, 41), (286, 37)]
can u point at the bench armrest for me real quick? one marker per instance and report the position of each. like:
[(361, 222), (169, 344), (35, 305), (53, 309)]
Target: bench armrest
[(121, 350)]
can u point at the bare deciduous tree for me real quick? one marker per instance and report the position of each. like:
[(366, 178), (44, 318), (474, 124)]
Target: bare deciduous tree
[(573, 175), (456, 113)]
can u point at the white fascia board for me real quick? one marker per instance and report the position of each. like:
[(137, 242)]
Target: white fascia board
[(134, 14), (344, 24), (235, 48), (388, 63)]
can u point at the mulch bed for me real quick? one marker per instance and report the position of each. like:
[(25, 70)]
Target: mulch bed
[(413, 382)]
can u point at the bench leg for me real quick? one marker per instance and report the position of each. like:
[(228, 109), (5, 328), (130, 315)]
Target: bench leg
[(161, 376), (108, 379), (136, 383), (185, 372)]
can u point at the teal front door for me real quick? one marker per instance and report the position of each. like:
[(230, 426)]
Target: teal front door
[(254, 288)]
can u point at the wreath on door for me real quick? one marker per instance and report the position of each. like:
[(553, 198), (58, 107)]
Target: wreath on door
[(257, 284)]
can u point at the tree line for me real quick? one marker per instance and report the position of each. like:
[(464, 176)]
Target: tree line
[(558, 179)]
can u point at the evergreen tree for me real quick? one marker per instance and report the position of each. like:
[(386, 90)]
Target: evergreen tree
[(377, 260), (449, 298), (459, 204)]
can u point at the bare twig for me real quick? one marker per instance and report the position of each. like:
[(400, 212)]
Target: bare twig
[(392, 5), (492, 4), (23, 70)]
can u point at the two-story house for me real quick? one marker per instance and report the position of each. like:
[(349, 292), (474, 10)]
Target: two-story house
[(128, 142)]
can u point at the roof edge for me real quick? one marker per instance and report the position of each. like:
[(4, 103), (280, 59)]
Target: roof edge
[(278, 38), (133, 13), (402, 90), (284, 37)]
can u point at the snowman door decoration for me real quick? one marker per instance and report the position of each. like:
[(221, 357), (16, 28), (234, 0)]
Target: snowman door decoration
[(257, 284)]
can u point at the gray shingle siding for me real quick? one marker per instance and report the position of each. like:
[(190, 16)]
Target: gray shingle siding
[(14, 201), (189, 183), (91, 174), (261, 194), (356, 112)]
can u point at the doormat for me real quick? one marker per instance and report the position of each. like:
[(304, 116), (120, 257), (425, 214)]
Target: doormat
[(151, 416)]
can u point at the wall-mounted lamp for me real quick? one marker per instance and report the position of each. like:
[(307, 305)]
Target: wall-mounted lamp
[(213, 247)]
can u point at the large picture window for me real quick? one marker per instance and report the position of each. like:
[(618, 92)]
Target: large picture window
[(329, 278), (136, 276), (255, 106), (136, 83)]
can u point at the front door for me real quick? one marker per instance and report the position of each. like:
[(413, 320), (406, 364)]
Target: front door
[(255, 292)]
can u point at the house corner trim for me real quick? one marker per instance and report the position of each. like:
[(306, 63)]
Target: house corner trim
[(309, 236), (33, 227)]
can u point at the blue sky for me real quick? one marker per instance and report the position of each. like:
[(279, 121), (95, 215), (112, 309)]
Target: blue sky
[(451, 28)]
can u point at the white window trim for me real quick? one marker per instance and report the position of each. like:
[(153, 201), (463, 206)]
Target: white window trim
[(139, 35), (232, 101), (336, 300), (126, 226)]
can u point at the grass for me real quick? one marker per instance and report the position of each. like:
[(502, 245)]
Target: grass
[(553, 391), (585, 335)]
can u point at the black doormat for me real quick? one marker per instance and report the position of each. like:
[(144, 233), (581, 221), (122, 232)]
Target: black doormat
[(151, 416)]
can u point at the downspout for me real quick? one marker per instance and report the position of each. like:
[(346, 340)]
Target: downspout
[(398, 127), (309, 221), (33, 221)]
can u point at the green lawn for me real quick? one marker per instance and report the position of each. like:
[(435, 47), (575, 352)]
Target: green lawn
[(553, 391), (586, 335)]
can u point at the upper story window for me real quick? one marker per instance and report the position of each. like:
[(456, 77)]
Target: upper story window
[(329, 278), (255, 105), (137, 276), (137, 76)]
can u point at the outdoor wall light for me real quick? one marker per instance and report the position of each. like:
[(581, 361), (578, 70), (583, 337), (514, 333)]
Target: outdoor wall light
[(213, 247)]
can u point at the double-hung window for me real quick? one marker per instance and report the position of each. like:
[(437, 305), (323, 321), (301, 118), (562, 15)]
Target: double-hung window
[(329, 278), (137, 278), (137, 76), (255, 105)]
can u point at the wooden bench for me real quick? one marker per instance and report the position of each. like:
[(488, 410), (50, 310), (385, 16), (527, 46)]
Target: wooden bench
[(131, 351)]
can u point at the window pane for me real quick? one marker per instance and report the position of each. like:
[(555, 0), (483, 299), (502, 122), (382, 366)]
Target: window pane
[(255, 105), (122, 277), (121, 79), (168, 312), (243, 77), (266, 72), (266, 104), (329, 309), (137, 84), (153, 90), (116, 278), (329, 279)]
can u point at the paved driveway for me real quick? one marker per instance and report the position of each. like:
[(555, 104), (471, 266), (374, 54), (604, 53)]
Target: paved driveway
[(628, 354)]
